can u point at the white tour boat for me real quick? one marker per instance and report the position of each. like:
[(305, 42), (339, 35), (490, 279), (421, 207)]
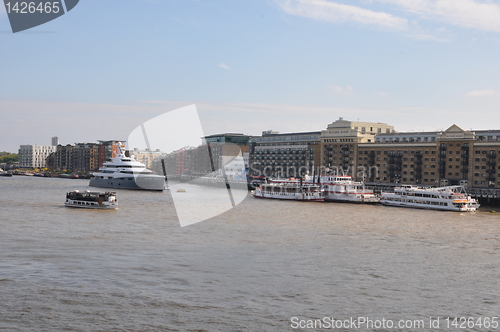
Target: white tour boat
[(338, 188), (126, 173), (451, 198), (91, 200), (290, 191)]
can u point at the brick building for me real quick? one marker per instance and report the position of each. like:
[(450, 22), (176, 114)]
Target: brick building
[(284, 155)]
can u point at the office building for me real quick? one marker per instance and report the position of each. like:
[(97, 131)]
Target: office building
[(34, 156)]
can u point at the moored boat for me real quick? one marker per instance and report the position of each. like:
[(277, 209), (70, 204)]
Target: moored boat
[(126, 173), (338, 188), (91, 200), (42, 175), (290, 191), (451, 198)]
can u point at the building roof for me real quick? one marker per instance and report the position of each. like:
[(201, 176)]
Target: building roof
[(227, 134), (409, 133), (289, 134), (492, 131)]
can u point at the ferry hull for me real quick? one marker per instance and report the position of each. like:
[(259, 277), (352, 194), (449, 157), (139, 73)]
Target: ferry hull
[(430, 207), (96, 207), (151, 184), (343, 197), (350, 200), (291, 198)]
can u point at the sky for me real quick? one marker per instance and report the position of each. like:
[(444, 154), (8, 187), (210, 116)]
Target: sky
[(104, 68)]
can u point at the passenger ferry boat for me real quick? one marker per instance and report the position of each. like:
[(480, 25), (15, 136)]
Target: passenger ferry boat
[(338, 188), (451, 198), (91, 200), (290, 191), (126, 173)]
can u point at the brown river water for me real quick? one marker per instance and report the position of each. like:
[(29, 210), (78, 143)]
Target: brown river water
[(265, 265)]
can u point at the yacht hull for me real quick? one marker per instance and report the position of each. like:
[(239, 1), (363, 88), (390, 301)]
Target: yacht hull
[(156, 183)]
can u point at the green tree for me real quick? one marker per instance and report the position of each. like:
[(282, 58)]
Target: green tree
[(8, 158)]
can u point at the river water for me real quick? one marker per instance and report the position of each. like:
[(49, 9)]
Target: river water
[(253, 268)]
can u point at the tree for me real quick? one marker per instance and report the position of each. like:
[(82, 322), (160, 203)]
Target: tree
[(8, 158)]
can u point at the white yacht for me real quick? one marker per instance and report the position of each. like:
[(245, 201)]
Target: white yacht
[(126, 173), (451, 198)]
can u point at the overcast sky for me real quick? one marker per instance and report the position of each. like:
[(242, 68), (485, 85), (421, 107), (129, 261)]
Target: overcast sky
[(104, 68)]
